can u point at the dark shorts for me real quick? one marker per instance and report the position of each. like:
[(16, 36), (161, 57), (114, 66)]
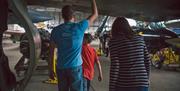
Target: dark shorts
[(70, 79)]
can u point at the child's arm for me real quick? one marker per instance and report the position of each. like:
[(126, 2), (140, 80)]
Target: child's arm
[(98, 64)]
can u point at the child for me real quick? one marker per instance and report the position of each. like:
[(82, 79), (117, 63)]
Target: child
[(89, 57)]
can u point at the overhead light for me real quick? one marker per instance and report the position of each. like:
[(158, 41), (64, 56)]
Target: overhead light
[(53, 9), (38, 9), (173, 21), (48, 9), (132, 22)]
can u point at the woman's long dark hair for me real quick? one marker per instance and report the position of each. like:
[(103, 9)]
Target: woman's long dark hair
[(121, 28)]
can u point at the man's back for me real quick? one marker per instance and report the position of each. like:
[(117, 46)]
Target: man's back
[(68, 38)]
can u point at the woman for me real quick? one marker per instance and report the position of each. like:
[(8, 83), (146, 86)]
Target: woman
[(130, 64)]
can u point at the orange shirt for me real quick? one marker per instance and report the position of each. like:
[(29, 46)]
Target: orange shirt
[(89, 58)]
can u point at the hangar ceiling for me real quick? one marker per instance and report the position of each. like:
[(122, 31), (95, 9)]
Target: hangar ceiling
[(148, 10)]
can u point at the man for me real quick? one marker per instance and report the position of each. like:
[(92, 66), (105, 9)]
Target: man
[(68, 38)]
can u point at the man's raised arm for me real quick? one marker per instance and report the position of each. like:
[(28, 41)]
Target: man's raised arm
[(94, 14)]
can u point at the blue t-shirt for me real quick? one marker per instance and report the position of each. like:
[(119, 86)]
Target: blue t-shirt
[(69, 37)]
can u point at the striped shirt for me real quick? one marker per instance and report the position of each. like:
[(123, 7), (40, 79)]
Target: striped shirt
[(130, 63)]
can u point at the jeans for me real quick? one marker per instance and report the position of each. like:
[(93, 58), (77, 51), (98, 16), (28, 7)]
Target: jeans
[(70, 79), (86, 84)]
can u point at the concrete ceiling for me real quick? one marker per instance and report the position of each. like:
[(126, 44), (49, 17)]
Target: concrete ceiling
[(147, 10)]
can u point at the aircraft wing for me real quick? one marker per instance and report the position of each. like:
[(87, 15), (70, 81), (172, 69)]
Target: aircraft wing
[(34, 15), (147, 10)]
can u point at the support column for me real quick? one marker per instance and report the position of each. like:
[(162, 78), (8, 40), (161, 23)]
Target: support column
[(19, 9), (3, 27)]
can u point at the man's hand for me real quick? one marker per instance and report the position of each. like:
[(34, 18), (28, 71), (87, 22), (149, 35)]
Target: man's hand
[(94, 15)]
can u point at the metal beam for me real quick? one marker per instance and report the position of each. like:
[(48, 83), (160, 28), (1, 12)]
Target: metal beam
[(20, 10), (100, 28)]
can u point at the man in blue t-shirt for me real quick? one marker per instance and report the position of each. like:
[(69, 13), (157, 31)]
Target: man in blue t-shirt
[(68, 38)]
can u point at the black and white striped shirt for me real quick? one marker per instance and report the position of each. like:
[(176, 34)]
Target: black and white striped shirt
[(130, 63)]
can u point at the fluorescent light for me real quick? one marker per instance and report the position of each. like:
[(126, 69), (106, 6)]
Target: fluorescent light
[(132, 22), (173, 21)]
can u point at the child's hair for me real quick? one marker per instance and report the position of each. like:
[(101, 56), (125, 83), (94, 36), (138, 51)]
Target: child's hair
[(87, 38)]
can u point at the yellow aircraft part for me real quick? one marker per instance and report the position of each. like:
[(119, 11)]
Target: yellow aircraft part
[(155, 57), (140, 33), (168, 56), (54, 79), (99, 52), (54, 64)]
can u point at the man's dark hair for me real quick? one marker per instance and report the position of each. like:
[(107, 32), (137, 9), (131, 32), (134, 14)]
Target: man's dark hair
[(67, 12)]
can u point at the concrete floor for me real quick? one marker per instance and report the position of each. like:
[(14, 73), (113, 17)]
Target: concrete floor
[(160, 80)]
